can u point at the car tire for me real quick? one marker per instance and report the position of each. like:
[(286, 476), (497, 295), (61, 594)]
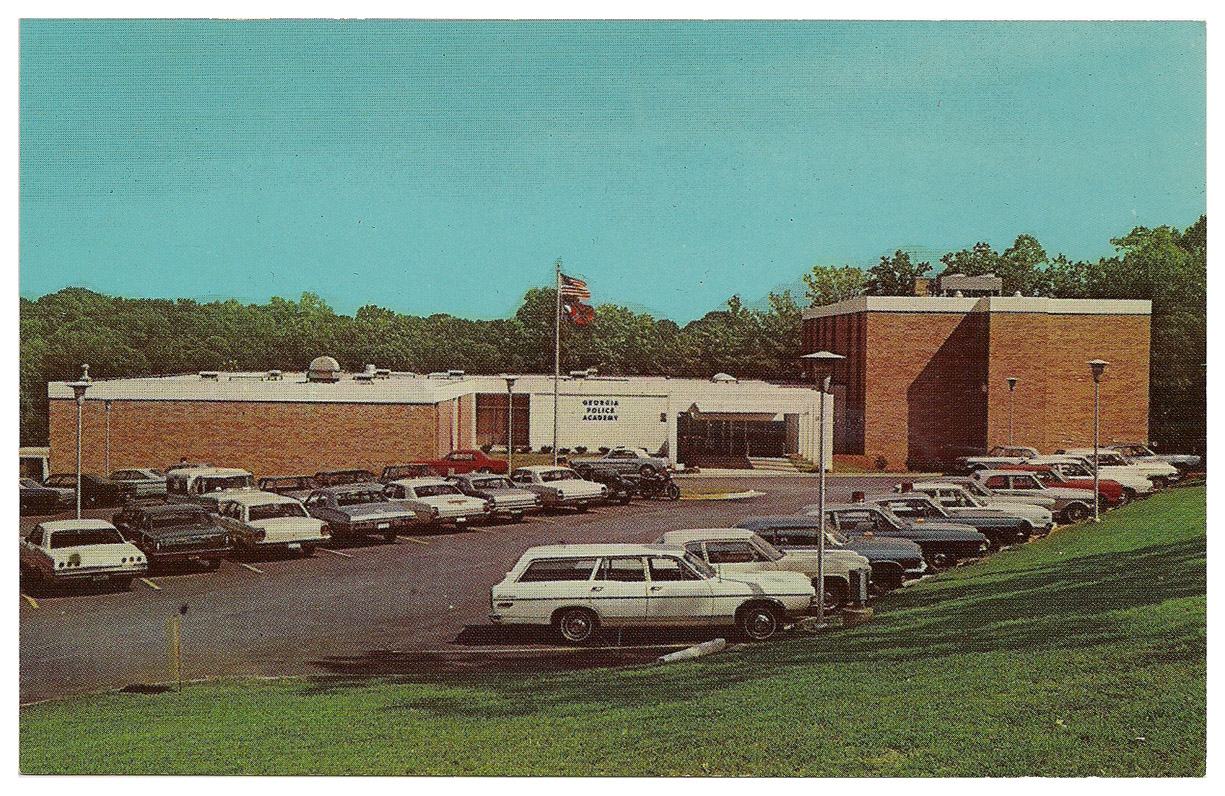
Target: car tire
[(581, 508), (941, 560), (577, 625), (758, 622), (516, 516), (647, 471), (674, 492), (212, 564), (625, 499), (123, 584), (1127, 497), (1159, 481), (1023, 534), (390, 538), (308, 550), (1075, 512)]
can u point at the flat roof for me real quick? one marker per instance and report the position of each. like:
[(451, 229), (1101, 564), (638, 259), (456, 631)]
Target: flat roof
[(952, 304), (708, 395)]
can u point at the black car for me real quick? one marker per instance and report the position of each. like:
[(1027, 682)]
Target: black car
[(943, 543), (95, 490), (174, 533), (916, 507), (38, 499), (620, 489), (294, 486), (344, 477), (894, 560), (397, 472)]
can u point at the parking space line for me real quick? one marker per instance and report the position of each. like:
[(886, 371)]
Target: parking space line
[(150, 584), (414, 539), (248, 566), (336, 552), (33, 603)]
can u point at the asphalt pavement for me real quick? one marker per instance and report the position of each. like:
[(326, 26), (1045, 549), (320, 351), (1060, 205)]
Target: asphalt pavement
[(419, 605)]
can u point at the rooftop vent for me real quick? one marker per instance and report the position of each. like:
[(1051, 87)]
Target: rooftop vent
[(578, 374), (382, 373), (365, 376), (455, 374), (275, 375), (211, 375), (724, 378), (323, 369)]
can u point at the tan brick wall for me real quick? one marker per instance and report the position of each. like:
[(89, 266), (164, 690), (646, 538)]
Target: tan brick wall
[(1054, 396), (264, 437), (924, 381)]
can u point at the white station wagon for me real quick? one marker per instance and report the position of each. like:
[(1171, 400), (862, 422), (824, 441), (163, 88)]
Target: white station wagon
[(558, 486), (580, 588), (263, 520), (81, 551), (434, 500)]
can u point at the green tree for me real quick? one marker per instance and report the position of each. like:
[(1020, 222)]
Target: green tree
[(829, 284), (895, 276)]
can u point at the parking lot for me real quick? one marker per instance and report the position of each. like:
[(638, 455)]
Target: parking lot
[(419, 604)]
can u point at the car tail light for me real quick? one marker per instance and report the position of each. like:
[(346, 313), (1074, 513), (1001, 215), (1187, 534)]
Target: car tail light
[(261, 535), (434, 511), (325, 531), (488, 506)]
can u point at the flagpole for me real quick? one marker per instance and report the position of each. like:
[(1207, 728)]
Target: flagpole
[(556, 352)]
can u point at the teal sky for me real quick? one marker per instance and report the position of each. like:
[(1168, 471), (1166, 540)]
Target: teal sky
[(443, 167)]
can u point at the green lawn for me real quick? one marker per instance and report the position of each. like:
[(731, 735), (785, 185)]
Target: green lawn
[(1081, 654)]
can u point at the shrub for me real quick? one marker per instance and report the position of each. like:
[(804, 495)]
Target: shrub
[(603, 449), (563, 451), (546, 448), (580, 449)]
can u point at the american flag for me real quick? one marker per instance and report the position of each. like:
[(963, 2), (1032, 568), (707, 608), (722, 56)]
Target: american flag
[(572, 288)]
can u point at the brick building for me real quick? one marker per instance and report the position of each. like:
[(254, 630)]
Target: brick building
[(925, 379), (277, 423)]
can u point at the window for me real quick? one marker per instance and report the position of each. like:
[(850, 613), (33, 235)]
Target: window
[(36, 536), (125, 475), (491, 483), (270, 511), (460, 457), (695, 549), (1025, 482), (559, 475), (558, 569), (620, 455), (395, 492), (435, 490), (997, 482), (85, 536), (625, 569), (729, 552), (357, 497), (62, 480), (522, 476), (670, 569)]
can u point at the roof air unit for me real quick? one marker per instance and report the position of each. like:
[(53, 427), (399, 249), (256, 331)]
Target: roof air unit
[(210, 375)]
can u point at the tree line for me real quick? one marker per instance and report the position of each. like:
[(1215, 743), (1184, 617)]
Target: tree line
[(124, 338)]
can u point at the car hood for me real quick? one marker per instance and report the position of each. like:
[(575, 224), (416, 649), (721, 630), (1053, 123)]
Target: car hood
[(939, 531), (836, 556), (1069, 493), (181, 533), (984, 518), (884, 547), (787, 582), (575, 488)]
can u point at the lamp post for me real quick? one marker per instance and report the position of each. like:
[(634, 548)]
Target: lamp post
[(107, 470), (1012, 385), (823, 369), (510, 422), (78, 390), (1096, 367)]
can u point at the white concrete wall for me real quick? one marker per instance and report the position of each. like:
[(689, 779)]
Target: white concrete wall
[(599, 420)]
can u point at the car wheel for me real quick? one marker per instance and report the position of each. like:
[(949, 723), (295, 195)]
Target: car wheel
[(1128, 496), (123, 584), (517, 517), (212, 564), (577, 625), (1075, 512), (1159, 481), (647, 471), (1023, 533), (308, 550), (580, 508), (759, 622), (389, 537), (941, 560), (625, 499), (674, 492)]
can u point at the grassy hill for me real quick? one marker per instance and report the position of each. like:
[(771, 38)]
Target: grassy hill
[(1081, 654)]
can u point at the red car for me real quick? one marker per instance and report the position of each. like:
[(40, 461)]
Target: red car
[(1111, 492), (470, 461)]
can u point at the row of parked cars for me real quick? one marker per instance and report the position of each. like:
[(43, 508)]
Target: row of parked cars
[(200, 514), (757, 575)]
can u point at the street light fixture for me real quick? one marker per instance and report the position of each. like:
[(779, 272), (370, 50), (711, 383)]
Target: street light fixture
[(78, 390), (1097, 367), (1012, 386), (823, 369), (510, 421)]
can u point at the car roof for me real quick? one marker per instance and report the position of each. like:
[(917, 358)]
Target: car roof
[(542, 468), (586, 550), (690, 534), (361, 486), (751, 523), (981, 474), (427, 480), (169, 508), (214, 472), (938, 485), (83, 524), (255, 497)]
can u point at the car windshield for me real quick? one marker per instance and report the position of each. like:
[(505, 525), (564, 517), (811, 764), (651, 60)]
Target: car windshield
[(188, 519), (492, 483), (434, 490), (359, 496), (270, 511), (889, 517), (837, 538), (31, 483), (84, 536), (768, 550), (559, 475), (704, 569), (215, 484)]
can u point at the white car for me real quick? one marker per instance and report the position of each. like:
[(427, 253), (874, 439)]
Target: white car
[(1111, 463), (81, 551), (580, 588), (149, 483), (733, 550), (263, 520), (1071, 505), (434, 500), (956, 498), (206, 485), (1000, 454), (558, 486), (1075, 467), (993, 498)]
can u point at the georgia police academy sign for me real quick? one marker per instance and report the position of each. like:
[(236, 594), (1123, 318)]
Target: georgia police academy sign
[(600, 409)]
